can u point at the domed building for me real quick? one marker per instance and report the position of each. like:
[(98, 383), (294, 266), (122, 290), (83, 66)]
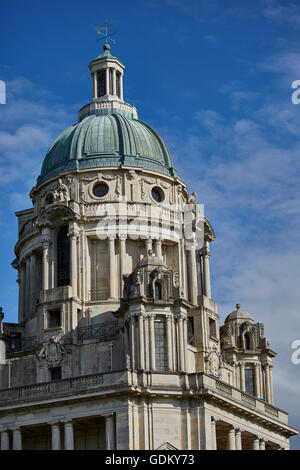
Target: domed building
[(118, 343)]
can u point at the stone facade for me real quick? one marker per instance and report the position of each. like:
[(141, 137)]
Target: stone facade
[(118, 343)]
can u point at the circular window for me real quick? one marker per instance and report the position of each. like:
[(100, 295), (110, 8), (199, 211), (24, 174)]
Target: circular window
[(157, 194), (100, 189)]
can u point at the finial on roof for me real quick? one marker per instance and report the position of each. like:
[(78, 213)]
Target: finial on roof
[(238, 306), (103, 31)]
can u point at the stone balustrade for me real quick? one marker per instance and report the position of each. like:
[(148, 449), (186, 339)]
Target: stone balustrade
[(198, 383)]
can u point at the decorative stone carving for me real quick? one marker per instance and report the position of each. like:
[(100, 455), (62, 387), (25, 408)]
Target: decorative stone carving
[(52, 352), (176, 280), (61, 192), (227, 332), (214, 362), (131, 175)]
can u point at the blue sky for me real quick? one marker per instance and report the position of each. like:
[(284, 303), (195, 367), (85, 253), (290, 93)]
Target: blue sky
[(214, 79)]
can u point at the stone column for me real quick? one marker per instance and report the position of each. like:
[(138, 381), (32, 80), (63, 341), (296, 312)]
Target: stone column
[(158, 248), (152, 342), (45, 264), (132, 340), (271, 384), (181, 346), (238, 439), (121, 86), (242, 377), (174, 347), (55, 436), (146, 339), (169, 343), (255, 443), (213, 433), (110, 441), (183, 264), (4, 440), (22, 293), (141, 342), (193, 275), (231, 439), (267, 383), (256, 380), (205, 257), (27, 286), (185, 342), (112, 267), (114, 82), (95, 90), (199, 273), (148, 245), (262, 444), (69, 435), (74, 272), (32, 283), (17, 439), (107, 90), (122, 242)]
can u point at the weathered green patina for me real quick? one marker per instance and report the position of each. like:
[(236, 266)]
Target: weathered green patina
[(107, 140)]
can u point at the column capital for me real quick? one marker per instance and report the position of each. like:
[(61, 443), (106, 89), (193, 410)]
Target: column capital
[(66, 421), (122, 236), (53, 422), (14, 428)]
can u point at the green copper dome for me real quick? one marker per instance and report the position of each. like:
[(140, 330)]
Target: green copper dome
[(107, 140)]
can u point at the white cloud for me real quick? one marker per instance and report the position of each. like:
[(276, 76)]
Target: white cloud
[(280, 13), (28, 128)]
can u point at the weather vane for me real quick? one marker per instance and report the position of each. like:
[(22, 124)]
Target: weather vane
[(106, 32)]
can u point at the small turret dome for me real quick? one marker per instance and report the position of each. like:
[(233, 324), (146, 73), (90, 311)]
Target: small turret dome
[(239, 314)]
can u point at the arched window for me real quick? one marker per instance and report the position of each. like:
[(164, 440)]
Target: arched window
[(158, 291), (247, 341), (63, 257)]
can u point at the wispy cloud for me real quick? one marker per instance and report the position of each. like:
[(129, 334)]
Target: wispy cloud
[(282, 12), (28, 127)]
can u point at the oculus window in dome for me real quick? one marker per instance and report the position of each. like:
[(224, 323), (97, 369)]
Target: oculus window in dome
[(100, 189), (157, 194)]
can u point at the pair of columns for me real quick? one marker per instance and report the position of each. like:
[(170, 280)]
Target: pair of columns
[(16, 439), (108, 91), (47, 263), (142, 341), (110, 442), (158, 247), (112, 265), (199, 272), (234, 438), (258, 388)]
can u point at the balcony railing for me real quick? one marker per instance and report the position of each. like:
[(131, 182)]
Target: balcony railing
[(100, 331), (18, 344), (99, 294)]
